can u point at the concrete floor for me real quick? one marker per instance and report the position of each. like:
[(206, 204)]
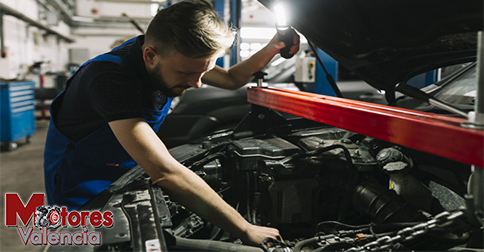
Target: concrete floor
[(21, 171)]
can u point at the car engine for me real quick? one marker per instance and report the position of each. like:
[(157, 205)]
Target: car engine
[(323, 188)]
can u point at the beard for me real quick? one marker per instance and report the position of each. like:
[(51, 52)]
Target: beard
[(177, 90)]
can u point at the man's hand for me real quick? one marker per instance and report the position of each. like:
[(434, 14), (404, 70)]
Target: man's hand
[(276, 44), (256, 234)]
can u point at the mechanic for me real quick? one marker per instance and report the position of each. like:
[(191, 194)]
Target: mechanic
[(104, 122)]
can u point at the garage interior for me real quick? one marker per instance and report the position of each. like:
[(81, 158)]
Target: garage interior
[(43, 42)]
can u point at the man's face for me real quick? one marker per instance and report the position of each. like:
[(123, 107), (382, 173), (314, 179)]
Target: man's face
[(175, 73)]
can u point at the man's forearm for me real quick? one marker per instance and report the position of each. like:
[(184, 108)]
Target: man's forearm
[(182, 184), (242, 72), (187, 188)]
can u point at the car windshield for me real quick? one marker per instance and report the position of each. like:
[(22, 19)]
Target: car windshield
[(462, 90)]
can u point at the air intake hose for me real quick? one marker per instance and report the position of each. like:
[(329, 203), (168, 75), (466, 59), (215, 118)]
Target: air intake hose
[(384, 204)]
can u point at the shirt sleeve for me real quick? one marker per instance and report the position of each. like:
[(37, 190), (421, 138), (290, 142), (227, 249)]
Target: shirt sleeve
[(115, 96)]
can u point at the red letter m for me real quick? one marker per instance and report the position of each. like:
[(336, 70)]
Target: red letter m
[(15, 206)]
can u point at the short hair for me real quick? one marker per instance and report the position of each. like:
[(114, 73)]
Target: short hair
[(192, 28)]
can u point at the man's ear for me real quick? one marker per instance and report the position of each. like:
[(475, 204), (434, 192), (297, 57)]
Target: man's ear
[(149, 55)]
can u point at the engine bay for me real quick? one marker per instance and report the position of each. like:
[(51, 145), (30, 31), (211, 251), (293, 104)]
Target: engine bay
[(323, 188)]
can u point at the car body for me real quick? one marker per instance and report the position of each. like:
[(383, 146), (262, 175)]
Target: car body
[(329, 188)]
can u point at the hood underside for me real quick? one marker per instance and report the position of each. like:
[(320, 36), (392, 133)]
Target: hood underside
[(386, 41)]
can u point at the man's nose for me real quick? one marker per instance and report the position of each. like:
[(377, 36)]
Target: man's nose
[(196, 82)]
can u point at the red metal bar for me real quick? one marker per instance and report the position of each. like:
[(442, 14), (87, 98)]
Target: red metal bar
[(435, 134)]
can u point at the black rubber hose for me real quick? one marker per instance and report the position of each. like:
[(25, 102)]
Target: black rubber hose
[(208, 245), (332, 147), (383, 204)]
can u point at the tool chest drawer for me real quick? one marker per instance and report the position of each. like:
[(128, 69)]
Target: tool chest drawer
[(17, 107)]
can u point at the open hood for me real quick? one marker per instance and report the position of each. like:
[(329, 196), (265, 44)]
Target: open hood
[(386, 41)]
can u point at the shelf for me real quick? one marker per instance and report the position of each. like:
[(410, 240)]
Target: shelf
[(5, 10)]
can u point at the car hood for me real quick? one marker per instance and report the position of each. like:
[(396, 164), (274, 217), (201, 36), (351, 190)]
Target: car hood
[(386, 41)]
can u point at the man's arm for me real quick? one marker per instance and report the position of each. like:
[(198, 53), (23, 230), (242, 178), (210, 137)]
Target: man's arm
[(183, 185), (241, 73)]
